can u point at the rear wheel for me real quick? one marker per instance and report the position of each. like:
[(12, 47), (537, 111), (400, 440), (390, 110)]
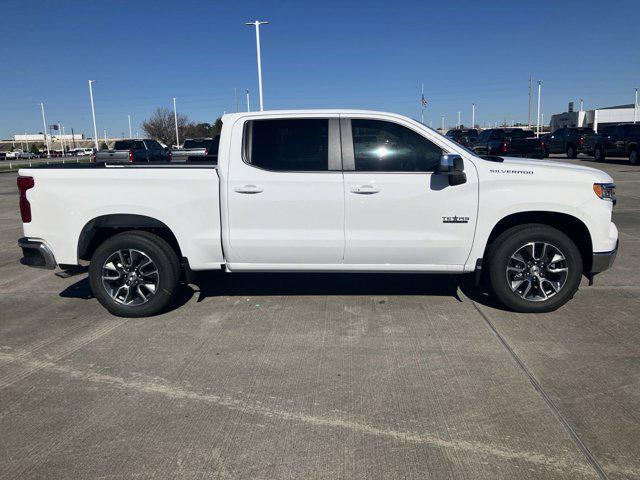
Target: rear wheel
[(134, 274), (598, 154), (534, 268), (571, 151), (633, 157)]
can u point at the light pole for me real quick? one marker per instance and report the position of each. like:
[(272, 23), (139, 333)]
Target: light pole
[(44, 129), (26, 139), (442, 123), (459, 122), (130, 134), (248, 104), (257, 24), (93, 114), (635, 108), (539, 88), (473, 115), (175, 118)]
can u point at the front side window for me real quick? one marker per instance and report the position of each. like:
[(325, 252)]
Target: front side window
[(381, 146), (153, 145), (297, 145)]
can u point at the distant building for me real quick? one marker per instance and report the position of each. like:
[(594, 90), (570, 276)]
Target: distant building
[(595, 119), (39, 137)]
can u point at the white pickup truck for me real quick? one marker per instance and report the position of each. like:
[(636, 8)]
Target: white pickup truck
[(319, 191)]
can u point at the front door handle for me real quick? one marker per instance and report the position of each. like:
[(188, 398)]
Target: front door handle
[(249, 189), (365, 190)]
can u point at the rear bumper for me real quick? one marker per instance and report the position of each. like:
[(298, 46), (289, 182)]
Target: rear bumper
[(603, 260), (36, 254)]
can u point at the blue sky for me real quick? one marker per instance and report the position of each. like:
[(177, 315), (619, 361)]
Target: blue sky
[(326, 54)]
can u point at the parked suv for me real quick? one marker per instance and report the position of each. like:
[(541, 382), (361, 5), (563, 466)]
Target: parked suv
[(566, 140), (620, 140)]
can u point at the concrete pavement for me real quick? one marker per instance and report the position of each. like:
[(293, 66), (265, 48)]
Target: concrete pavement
[(321, 376)]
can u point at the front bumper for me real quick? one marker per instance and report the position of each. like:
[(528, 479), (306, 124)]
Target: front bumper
[(603, 260), (36, 254)]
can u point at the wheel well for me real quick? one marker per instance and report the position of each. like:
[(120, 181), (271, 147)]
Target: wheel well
[(101, 228), (567, 224)]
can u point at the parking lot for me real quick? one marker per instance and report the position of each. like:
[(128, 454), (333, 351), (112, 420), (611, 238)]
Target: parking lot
[(321, 376)]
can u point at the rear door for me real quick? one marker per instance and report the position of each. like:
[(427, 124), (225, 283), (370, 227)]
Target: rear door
[(555, 142), (285, 197), (399, 214)]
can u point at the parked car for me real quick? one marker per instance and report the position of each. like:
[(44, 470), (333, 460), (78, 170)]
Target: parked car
[(196, 147), (620, 140), (566, 140), (134, 151), (17, 154), (312, 190), (85, 151), (511, 142), (3, 155), (466, 137)]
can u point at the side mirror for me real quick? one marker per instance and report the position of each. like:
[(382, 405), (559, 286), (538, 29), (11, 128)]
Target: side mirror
[(452, 165)]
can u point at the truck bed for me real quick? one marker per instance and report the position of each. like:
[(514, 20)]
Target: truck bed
[(183, 197)]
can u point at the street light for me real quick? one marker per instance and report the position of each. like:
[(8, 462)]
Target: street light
[(257, 24), (44, 129), (175, 118), (539, 87), (93, 114), (248, 104), (130, 134), (473, 115)]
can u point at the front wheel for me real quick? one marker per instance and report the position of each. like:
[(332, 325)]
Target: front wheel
[(134, 274), (598, 154), (571, 152), (534, 268), (633, 157)]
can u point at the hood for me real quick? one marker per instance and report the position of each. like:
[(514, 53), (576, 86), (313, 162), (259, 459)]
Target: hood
[(598, 176)]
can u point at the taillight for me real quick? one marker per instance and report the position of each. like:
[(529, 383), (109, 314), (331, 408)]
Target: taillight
[(130, 156), (93, 157), (206, 151), (503, 147), (170, 156), (581, 141), (24, 184)]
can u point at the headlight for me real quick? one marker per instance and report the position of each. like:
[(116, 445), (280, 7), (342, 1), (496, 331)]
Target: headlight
[(606, 191)]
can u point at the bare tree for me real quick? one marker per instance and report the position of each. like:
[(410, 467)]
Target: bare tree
[(161, 126)]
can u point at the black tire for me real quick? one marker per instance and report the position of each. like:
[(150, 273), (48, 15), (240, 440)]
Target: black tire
[(508, 243), (571, 152), (598, 154), (633, 157), (158, 251)]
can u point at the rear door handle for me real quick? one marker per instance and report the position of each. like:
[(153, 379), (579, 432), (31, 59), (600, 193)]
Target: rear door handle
[(365, 190), (249, 189)]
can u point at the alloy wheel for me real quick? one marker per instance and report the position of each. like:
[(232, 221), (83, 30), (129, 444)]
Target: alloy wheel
[(130, 277), (537, 271)]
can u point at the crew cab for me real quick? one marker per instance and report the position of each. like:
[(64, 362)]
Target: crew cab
[(566, 140), (622, 140), (513, 142), (134, 151), (322, 191)]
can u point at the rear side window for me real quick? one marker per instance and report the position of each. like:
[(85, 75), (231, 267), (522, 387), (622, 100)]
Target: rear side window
[(298, 145), (152, 145), (196, 143), (381, 146)]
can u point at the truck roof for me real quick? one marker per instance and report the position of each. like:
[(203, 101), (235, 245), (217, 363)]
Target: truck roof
[(326, 111)]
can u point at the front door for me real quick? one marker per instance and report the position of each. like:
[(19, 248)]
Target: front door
[(555, 142), (398, 212), (285, 196)]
